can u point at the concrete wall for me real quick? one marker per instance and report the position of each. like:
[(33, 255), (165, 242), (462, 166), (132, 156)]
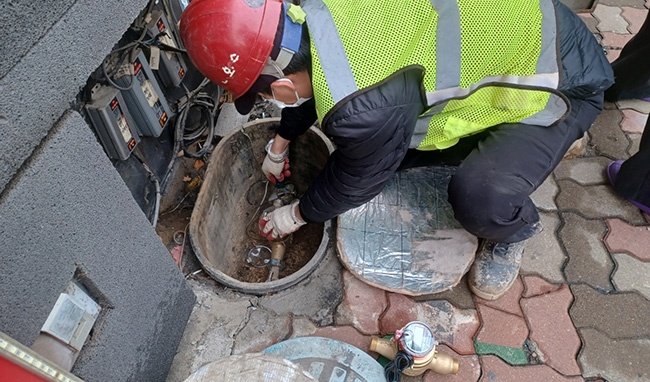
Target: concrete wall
[(64, 207)]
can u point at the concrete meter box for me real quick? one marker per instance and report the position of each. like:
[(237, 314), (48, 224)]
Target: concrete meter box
[(112, 121), (144, 97)]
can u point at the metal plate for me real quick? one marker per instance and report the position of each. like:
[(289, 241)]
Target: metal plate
[(329, 360)]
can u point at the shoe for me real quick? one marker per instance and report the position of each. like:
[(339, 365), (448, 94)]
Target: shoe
[(612, 172), (495, 268)]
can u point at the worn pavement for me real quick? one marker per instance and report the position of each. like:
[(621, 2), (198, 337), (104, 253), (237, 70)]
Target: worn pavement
[(579, 311)]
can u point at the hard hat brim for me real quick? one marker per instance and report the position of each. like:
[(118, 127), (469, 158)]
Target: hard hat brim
[(245, 103)]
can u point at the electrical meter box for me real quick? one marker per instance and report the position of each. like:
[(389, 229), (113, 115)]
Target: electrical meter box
[(112, 122), (176, 10), (170, 65), (144, 98)]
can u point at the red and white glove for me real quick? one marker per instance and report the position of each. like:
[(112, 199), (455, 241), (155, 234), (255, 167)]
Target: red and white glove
[(276, 166), (281, 222)]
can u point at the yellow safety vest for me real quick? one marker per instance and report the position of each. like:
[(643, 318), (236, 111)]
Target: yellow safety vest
[(486, 62)]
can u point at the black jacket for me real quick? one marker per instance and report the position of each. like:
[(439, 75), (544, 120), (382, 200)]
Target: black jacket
[(372, 130)]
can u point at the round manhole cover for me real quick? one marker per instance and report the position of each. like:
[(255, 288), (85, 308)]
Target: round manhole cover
[(329, 360), (252, 367)]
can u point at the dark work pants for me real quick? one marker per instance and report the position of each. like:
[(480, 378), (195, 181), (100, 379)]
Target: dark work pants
[(499, 168), (632, 68), (632, 76)]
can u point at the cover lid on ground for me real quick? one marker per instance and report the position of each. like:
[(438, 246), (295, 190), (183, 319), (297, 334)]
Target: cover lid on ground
[(330, 360), (253, 367), (406, 240)]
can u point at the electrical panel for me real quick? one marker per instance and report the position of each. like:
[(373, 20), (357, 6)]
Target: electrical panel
[(112, 122), (144, 97), (170, 65), (176, 10)]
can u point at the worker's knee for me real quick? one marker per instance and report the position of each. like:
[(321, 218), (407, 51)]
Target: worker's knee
[(487, 205)]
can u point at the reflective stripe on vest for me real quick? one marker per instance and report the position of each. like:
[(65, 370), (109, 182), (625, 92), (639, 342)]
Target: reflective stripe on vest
[(462, 99)]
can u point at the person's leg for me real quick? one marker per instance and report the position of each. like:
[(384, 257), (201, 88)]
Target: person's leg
[(633, 179), (490, 192), (632, 68)]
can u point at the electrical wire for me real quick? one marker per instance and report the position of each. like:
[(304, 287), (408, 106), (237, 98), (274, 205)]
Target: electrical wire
[(156, 182), (186, 135), (393, 370)]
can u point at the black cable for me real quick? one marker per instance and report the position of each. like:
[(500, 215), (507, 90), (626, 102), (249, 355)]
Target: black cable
[(393, 370), (187, 135), (156, 182)]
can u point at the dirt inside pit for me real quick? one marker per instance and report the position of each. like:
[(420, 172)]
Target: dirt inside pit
[(300, 247), (224, 222)]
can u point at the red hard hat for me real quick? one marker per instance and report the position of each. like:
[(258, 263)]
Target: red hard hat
[(229, 41)]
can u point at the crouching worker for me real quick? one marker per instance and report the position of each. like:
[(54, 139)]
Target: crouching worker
[(500, 88)]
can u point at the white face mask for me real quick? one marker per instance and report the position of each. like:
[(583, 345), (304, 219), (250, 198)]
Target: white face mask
[(282, 105)]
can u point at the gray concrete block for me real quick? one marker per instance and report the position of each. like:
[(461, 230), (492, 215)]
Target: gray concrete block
[(67, 210), (23, 24), (39, 87)]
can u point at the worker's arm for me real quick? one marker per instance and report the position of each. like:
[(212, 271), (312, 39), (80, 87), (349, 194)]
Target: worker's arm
[(294, 122), (372, 133)]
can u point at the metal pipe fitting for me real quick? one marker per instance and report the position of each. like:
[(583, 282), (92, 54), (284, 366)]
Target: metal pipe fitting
[(434, 361)]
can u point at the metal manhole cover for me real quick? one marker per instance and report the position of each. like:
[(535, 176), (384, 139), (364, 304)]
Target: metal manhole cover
[(329, 360)]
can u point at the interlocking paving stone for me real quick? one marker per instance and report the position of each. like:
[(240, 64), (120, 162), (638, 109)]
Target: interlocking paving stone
[(589, 262), (634, 148), (623, 237), (451, 326), (495, 370), (618, 315), (509, 301), (469, 368), (615, 41), (544, 196), (362, 305), (585, 171), (610, 19), (535, 286), (636, 104), (634, 17), (512, 356), (612, 54), (501, 328), (459, 296), (551, 328), (606, 138), (595, 202), (620, 3), (616, 360), (631, 274), (543, 254), (633, 121)]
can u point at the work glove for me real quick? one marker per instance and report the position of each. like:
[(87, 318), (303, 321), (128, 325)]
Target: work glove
[(280, 222), (276, 166)]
